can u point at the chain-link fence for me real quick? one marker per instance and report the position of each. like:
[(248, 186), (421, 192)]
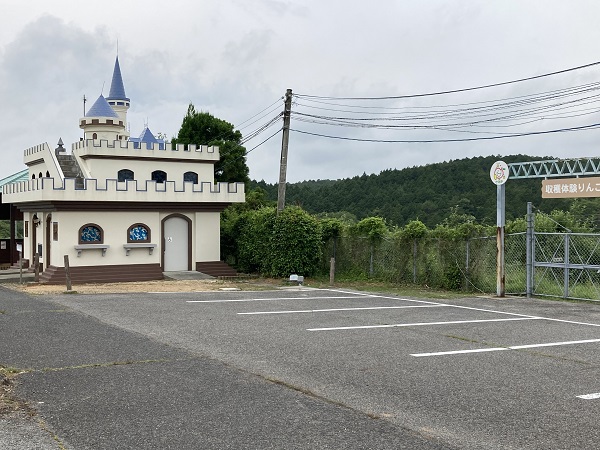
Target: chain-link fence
[(471, 265), (448, 264)]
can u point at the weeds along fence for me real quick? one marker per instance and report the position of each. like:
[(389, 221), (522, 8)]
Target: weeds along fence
[(438, 263), (563, 265)]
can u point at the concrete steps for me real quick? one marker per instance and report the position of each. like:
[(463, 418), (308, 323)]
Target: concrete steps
[(71, 169)]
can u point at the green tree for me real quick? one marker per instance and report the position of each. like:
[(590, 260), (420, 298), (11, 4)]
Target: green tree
[(233, 219), (331, 229), (278, 244), (373, 228), (415, 229), (254, 234), (556, 222), (202, 128), (296, 246)]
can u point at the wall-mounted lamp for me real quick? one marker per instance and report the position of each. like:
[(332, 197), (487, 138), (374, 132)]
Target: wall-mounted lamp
[(36, 221)]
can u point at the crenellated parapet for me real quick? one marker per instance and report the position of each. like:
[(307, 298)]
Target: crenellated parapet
[(35, 154), (101, 121), (93, 148), (51, 190)]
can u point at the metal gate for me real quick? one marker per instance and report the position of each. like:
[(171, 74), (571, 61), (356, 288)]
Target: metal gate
[(566, 265)]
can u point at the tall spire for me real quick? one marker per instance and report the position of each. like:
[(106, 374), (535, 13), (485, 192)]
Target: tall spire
[(117, 99), (117, 89)]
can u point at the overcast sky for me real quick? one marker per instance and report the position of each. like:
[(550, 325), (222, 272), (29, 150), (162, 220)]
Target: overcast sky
[(236, 58)]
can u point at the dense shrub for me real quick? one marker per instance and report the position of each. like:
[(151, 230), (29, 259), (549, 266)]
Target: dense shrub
[(296, 245), (278, 244), (254, 240)]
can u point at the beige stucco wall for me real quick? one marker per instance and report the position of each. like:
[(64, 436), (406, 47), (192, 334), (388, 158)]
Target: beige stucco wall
[(47, 189), (207, 232), (105, 169), (114, 226), (41, 158), (205, 243)]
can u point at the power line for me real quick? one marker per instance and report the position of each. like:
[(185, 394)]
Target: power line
[(552, 93), (261, 129), (423, 141), (260, 112), (256, 146), (429, 94)]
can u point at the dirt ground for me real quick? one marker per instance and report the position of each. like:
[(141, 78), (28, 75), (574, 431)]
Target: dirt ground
[(148, 286)]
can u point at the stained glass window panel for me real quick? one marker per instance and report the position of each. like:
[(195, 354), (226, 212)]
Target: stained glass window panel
[(138, 233), (91, 234)]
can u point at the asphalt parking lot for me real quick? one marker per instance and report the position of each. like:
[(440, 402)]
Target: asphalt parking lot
[(393, 372)]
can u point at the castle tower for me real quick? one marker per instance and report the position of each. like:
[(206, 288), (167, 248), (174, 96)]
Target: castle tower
[(117, 98), (102, 122), (107, 118)]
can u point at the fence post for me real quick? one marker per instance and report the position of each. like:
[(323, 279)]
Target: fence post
[(529, 243), (468, 257), (371, 260), (20, 267), (566, 270), (414, 261), (36, 267), (68, 273), (331, 271)]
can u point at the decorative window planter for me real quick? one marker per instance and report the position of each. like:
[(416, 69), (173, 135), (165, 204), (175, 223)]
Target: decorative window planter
[(131, 246), (83, 247)]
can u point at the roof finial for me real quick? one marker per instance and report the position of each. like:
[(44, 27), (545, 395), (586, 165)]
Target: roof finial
[(117, 47), (102, 91)]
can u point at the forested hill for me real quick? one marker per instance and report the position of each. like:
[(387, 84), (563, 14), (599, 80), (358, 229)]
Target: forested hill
[(428, 193)]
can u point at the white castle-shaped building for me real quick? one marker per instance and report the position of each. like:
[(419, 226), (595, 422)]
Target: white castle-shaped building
[(121, 208)]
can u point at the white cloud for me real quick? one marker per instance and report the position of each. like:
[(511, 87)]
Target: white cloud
[(233, 58)]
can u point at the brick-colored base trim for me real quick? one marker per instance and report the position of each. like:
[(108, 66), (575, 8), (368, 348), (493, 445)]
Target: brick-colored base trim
[(216, 269), (103, 274)]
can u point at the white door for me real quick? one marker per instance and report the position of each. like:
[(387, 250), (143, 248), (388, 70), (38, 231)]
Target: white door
[(176, 244)]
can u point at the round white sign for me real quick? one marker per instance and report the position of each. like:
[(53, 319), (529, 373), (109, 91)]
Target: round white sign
[(499, 172)]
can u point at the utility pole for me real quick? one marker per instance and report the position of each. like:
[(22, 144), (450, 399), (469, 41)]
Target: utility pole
[(284, 151)]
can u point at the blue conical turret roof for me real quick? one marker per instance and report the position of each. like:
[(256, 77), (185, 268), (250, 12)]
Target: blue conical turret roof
[(117, 89), (147, 136), (101, 108)]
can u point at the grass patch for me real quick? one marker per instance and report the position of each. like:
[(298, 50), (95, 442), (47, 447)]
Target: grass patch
[(387, 288), (8, 402)]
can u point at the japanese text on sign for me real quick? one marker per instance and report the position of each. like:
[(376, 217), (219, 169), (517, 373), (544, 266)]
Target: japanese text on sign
[(571, 187)]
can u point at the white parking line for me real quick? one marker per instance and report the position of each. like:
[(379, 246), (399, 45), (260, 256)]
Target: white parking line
[(590, 396), (497, 349), (474, 309), (336, 309), (420, 324), (270, 299)]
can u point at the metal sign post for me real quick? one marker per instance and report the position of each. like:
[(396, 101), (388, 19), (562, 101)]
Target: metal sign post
[(499, 175), (20, 250)]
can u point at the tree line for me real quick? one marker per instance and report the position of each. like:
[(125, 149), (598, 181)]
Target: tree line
[(428, 193), (450, 201)]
